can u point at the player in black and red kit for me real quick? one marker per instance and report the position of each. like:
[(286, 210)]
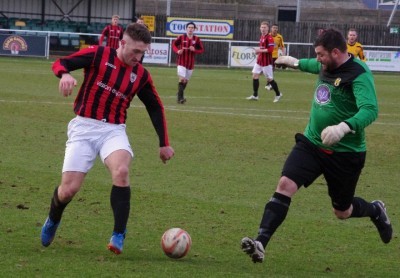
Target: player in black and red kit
[(113, 32), (112, 77), (186, 46), (264, 63)]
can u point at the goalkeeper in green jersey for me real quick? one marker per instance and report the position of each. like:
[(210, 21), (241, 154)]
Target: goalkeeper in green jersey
[(333, 143)]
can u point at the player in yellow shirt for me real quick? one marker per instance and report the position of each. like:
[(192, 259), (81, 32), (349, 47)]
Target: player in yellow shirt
[(279, 48), (353, 46)]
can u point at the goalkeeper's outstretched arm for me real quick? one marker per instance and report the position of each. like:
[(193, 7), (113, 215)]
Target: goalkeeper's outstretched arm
[(288, 61)]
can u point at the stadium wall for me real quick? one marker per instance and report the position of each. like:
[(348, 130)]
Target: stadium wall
[(323, 11)]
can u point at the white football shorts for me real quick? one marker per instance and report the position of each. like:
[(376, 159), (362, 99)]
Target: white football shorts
[(88, 138), (267, 71), (184, 72)]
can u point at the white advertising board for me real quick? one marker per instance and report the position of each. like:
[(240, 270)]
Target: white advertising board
[(383, 60), (157, 54), (242, 56)]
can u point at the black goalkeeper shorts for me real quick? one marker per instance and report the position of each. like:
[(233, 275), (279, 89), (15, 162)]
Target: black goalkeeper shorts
[(341, 170)]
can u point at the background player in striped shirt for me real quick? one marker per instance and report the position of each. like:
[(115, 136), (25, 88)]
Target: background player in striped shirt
[(186, 46), (279, 49), (112, 77), (264, 63), (353, 46), (113, 32)]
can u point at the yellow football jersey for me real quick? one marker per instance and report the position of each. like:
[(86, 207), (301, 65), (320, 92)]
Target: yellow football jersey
[(279, 44), (357, 50)]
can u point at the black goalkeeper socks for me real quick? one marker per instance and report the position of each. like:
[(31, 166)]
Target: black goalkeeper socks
[(362, 208), (274, 214)]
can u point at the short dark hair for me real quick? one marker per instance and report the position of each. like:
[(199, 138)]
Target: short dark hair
[(331, 39), (138, 32), (352, 30), (191, 23)]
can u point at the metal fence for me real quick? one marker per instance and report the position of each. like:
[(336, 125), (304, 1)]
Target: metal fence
[(217, 51)]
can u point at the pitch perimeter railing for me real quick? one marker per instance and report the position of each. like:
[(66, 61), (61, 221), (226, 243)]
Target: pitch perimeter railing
[(223, 53)]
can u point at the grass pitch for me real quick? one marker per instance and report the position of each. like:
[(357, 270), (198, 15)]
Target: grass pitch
[(229, 154)]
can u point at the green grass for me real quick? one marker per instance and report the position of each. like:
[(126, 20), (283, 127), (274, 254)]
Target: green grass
[(229, 154)]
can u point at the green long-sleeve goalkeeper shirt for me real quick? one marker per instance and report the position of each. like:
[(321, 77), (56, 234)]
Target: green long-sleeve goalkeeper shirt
[(346, 94)]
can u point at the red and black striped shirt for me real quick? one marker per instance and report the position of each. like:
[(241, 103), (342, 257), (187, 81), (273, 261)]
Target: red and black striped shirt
[(265, 58), (114, 35), (109, 86), (186, 59)]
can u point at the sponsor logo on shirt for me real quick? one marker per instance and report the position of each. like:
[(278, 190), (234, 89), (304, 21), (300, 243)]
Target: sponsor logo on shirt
[(110, 65), (111, 90)]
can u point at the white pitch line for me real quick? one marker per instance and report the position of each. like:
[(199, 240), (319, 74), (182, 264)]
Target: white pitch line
[(201, 110), (262, 116), (236, 114), (35, 102)]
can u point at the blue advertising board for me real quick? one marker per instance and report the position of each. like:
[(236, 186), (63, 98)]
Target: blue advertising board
[(23, 45)]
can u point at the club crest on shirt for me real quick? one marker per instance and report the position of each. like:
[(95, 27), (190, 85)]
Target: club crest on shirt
[(133, 77), (322, 94), (337, 81)]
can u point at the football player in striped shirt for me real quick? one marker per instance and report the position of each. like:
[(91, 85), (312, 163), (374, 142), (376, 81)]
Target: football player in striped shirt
[(264, 63), (186, 46), (113, 32), (112, 77)]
